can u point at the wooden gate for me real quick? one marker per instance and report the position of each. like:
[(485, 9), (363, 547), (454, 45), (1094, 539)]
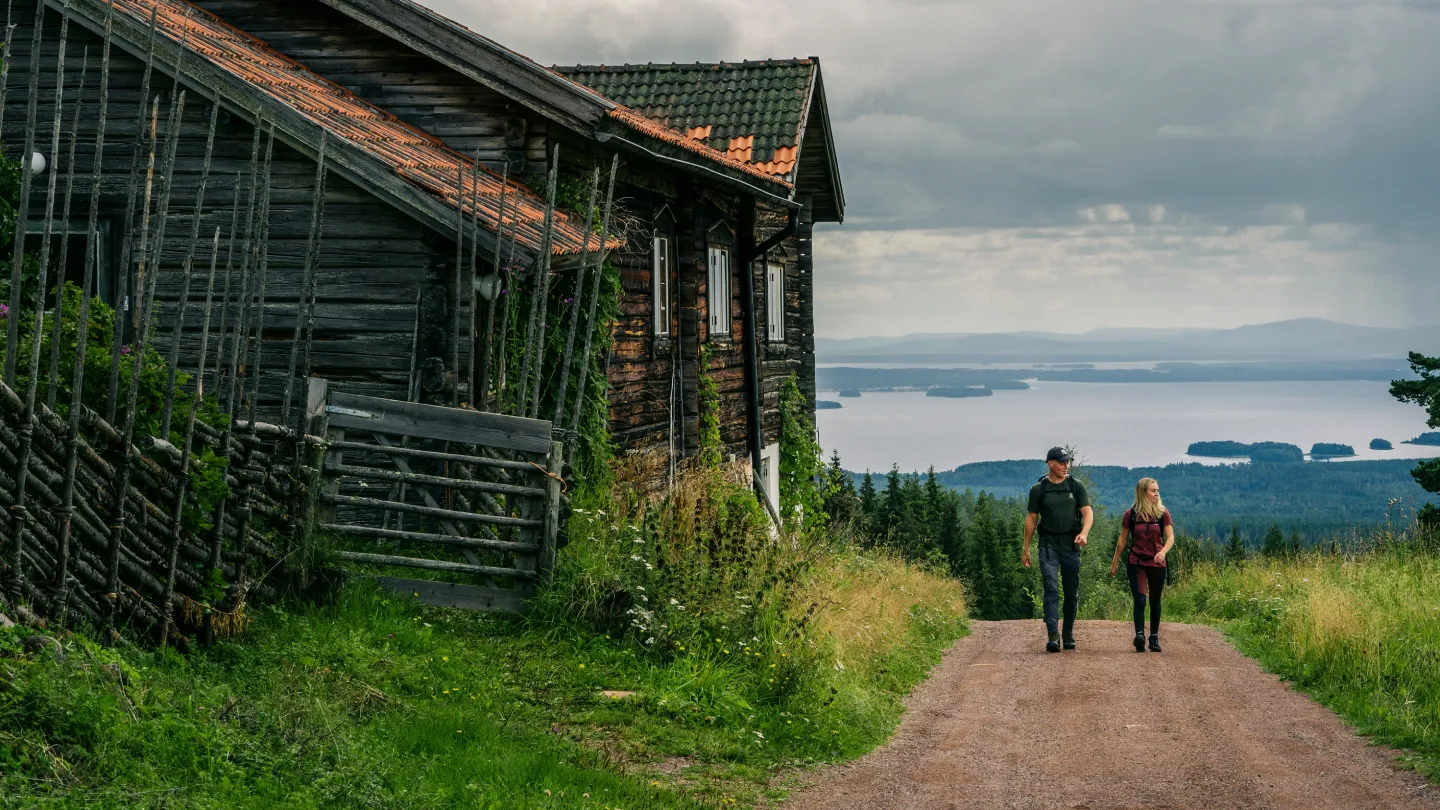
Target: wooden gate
[(471, 499)]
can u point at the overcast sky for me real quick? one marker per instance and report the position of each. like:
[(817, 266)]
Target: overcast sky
[(1070, 164)]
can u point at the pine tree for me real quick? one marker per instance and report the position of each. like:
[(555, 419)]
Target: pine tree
[(1235, 551), (1292, 546)]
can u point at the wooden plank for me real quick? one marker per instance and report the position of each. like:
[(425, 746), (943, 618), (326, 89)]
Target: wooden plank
[(404, 476), (545, 561), (499, 463), (430, 565), (453, 595), (425, 537), (430, 511), (435, 422)]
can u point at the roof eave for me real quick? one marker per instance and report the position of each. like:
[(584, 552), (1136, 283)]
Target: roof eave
[(776, 189), (822, 107)]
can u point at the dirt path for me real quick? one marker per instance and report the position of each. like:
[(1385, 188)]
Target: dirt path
[(1002, 724)]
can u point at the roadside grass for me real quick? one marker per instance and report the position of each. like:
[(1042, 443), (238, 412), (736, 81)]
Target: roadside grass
[(372, 701), (1360, 633)]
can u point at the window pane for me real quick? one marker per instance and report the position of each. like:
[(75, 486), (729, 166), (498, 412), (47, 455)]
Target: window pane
[(775, 302), (661, 285), (719, 294)]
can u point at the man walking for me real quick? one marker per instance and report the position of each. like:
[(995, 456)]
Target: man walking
[(1060, 507)]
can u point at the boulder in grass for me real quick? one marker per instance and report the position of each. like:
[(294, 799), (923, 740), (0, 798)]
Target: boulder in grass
[(36, 645)]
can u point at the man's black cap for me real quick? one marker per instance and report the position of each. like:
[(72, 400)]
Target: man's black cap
[(1057, 454)]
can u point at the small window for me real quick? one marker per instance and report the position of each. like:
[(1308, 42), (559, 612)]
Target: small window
[(775, 302), (660, 284), (719, 291)]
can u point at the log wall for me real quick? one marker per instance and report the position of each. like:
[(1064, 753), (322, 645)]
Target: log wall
[(375, 264)]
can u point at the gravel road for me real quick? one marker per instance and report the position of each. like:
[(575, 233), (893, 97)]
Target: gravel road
[(1003, 724)]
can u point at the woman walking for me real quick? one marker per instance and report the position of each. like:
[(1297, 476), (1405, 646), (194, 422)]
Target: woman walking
[(1151, 532)]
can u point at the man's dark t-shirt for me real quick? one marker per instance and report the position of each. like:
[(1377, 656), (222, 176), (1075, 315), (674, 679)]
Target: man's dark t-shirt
[(1058, 506)]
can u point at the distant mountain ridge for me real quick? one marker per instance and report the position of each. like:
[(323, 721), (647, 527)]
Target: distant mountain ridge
[(1303, 338)]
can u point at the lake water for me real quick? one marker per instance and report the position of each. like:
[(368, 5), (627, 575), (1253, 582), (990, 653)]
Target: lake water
[(1132, 425)]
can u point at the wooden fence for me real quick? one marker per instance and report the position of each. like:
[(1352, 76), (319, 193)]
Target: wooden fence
[(148, 568), (474, 500)]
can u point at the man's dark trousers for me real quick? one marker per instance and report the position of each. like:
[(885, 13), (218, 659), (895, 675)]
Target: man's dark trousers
[(1060, 564)]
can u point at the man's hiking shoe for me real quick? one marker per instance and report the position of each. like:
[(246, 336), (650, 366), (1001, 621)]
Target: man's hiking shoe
[(1154, 643), (1069, 644), (1140, 642), (1053, 645)]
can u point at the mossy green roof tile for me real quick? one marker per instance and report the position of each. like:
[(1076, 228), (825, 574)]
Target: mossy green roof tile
[(766, 100)]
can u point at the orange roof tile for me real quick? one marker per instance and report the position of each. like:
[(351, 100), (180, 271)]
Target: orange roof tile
[(698, 133), (642, 124), (415, 155)]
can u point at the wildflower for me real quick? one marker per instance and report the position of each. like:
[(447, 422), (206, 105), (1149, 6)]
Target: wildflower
[(444, 658), (4, 311), (674, 601), (124, 349), (582, 666)]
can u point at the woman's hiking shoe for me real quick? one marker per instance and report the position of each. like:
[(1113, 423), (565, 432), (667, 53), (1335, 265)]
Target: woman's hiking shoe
[(1069, 644), (1053, 645), (1154, 643), (1140, 642)]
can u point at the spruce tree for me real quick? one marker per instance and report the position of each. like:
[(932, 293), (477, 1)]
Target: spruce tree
[(1292, 546), (1274, 543), (869, 503), (1235, 551)]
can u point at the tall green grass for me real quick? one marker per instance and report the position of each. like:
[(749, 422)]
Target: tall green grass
[(1359, 631), (788, 651)]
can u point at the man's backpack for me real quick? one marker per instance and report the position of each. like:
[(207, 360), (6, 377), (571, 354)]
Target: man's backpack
[(1076, 520)]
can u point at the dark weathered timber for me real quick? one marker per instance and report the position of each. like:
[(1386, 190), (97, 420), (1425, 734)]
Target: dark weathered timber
[(305, 310), (484, 543), (435, 481), (22, 215), (435, 455), (186, 273), (429, 511), (429, 421), (540, 281), (430, 565), (454, 595), (543, 283), (123, 302), (53, 379), (594, 297), (575, 298)]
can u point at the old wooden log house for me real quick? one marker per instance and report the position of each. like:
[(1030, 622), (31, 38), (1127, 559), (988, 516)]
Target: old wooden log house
[(436, 143)]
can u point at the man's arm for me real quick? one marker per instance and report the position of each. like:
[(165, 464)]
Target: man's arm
[(1087, 515), (1031, 519)]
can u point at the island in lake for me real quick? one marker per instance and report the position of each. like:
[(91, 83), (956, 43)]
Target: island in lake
[(1431, 439), (1381, 444), (849, 392), (1257, 452), (959, 392), (1331, 450), (826, 405)]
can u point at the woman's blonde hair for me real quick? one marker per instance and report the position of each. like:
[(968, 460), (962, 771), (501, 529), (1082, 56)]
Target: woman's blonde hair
[(1143, 510)]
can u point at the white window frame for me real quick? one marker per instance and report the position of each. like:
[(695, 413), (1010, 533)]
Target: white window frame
[(775, 302), (660, 263), (719, 291)]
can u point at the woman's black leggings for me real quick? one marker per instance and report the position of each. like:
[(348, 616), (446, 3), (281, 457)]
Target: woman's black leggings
[(1155, 582)]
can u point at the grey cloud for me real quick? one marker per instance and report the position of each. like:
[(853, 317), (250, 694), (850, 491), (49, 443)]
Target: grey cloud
[(1226, 131)]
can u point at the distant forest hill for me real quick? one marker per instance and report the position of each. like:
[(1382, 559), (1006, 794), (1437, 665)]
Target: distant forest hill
[(1303, 339), (1320, 500), (903, 379)]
